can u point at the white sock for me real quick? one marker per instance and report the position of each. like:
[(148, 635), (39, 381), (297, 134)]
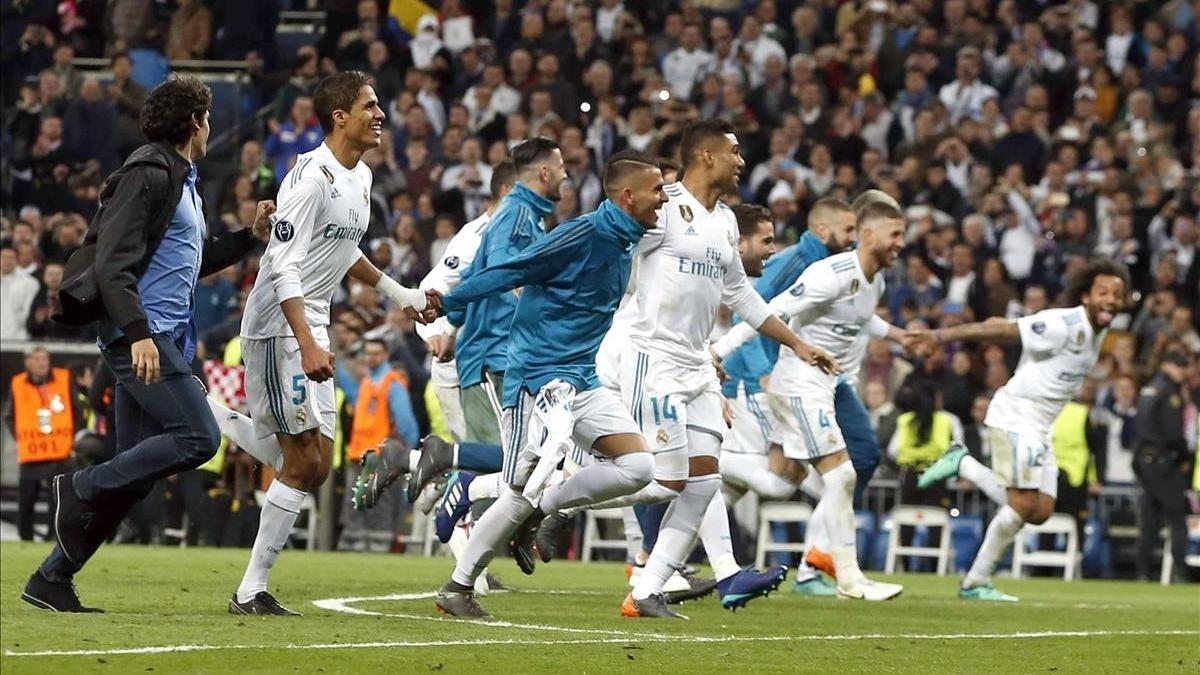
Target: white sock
[(678, 534), (839, 521), (633, 533), (415, 457), (973, 470), (458, 542), (752, 472), (813, 485), (491, 531), (240, 429), (486, 486), (653, 493), (718, 544), (818, 534), (1000, 533), (624, 475), (274, 526)]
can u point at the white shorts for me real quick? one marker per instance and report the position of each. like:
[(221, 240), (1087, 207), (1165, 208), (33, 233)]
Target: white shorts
[(1023, 460), (753, 423), (667, 402), (281, 398), (608, 363), (598, 413), (450, 402), (806, 426)]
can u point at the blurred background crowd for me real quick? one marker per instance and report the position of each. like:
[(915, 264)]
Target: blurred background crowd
[(1021, 136)]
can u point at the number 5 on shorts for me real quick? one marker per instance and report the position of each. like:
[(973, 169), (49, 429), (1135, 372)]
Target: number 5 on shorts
[(668, 410), (299, 388)]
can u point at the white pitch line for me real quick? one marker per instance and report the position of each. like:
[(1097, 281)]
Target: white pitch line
[(699, 639)]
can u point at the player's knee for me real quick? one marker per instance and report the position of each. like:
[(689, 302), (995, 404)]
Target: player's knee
[(672, 486), (637, 468), (842, 479)]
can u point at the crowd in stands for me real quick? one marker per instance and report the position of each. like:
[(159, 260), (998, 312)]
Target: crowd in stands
[(1022, 137)]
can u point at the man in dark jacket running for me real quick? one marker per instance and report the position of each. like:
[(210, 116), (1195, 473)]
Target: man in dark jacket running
[(134, 279)]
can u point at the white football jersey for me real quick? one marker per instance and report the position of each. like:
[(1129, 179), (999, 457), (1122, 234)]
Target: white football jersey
[(1059, 349), (445, 277), (322, 215), (832, 307), (688, 266)]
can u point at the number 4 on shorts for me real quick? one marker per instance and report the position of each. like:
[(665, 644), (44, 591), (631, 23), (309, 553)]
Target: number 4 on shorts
[(822, 419)]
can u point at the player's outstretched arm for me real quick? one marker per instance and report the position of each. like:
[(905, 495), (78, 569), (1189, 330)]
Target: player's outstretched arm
[(995, 329), (423, 306), (777, 330)]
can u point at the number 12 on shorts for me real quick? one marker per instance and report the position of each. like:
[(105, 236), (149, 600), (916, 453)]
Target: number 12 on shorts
[(668, 410)]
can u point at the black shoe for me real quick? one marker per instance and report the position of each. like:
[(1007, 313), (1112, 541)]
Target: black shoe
[(381, 467), (522, 544), (547, 534), (698, 589), (263, 604), (452, 602), (437, 457), (72, 520), (54, 596), (495, 584)]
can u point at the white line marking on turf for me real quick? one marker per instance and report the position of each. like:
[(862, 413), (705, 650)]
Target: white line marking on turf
[(172, 649)]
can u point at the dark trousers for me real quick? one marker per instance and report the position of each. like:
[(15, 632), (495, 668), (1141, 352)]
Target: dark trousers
[(1163, 499), (162, 428), (861, 442), (33, 479)]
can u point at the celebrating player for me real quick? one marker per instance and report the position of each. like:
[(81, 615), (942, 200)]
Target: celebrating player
[(1059, 348)]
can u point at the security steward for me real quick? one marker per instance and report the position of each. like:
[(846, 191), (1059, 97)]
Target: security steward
[(1163, 460)]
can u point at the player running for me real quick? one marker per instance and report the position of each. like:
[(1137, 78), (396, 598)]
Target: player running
[(1059, 348), (572, 281), (324, 206), (833, 305)]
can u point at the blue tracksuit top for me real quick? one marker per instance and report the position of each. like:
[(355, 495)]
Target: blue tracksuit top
[(754, 360), (573, 280), (483, 342)]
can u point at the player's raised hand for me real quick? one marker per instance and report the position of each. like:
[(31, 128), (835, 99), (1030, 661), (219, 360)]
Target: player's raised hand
[(722, 375), (316, 362), (818, 358), (262, 219)]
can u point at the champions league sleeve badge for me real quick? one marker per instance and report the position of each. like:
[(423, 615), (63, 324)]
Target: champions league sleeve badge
[(284, 231)]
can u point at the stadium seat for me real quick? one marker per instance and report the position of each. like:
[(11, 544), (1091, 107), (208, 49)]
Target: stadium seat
[(966, 536), (1168, 559), (1069, 559), (780, 512), (919, 516), (593, 540)]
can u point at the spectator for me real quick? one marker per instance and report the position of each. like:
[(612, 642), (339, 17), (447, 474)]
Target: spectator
[(69, 76), (1119, 417), (924, 432), (427, 45), (128, 97), (252, 179), (43, 416), (299, 134), (387, 79), (216, 295), (89, 123), (682, 67), (410, 256), (17, 290), (128, 24), (190, 32), (964, 96), (245, 27), (303, 82), (39, 324), (470, 178)]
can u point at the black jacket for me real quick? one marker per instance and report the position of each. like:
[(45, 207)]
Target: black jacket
[(138, 200), (1160, 418)]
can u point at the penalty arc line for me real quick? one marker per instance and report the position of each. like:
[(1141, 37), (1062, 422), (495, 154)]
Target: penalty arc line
[(698, 639)]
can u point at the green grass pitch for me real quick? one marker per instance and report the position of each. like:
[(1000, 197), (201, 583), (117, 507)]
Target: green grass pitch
[(167, 613)]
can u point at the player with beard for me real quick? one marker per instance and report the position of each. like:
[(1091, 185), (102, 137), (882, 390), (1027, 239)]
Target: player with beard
[(1059, 348)]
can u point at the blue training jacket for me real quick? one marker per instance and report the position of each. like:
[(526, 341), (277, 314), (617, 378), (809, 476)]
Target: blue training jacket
[(754, 360), (483, 342), (573, 280)]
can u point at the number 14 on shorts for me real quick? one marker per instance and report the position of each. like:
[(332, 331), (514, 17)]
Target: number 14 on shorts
[(665, 411)]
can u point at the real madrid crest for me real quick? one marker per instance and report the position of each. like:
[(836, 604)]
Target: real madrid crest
[(662, 437), (366, 199), (853, 286), (1079, 338), (301, 417), (686, 212), (328, 174)]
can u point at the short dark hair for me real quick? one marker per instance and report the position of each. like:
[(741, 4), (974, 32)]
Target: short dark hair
[(337, 92), (878, 210), (504, 173), (700, 132), (172, 109), (112, 61), (830, 204), (666, 164), (749, 216), (621, 165), (1081, 282), (530, 151)]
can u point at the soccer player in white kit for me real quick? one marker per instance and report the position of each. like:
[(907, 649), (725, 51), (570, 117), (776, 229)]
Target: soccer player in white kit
[(688, 266), (832, 305), (1059, 348), (324, 207)]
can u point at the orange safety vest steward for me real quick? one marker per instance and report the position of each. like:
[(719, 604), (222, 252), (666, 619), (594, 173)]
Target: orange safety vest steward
[(43, 417), (372, 419)]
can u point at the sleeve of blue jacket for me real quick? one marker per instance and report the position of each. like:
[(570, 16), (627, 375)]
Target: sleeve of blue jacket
[(535, 264), (400, 405)]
